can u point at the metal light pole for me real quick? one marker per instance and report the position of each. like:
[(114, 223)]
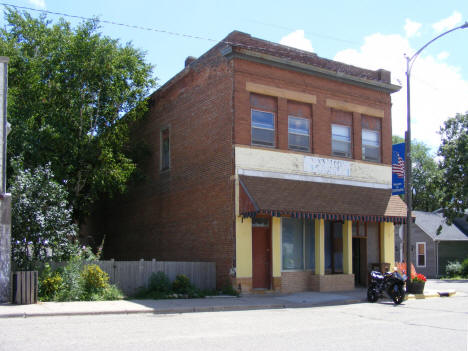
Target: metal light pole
[(408, 162)]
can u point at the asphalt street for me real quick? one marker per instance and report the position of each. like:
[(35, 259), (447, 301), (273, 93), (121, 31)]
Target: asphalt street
[(431, 324)]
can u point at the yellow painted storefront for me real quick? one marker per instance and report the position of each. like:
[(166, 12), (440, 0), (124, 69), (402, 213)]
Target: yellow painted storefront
[(313, 280)]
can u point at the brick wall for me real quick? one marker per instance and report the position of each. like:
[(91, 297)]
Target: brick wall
[(332, 282), (187, 212), (322, 116), (295, 281)]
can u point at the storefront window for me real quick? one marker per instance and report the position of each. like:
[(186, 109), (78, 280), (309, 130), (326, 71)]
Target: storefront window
[(298, 244), (333, 247), (310, 245), (292, 243)]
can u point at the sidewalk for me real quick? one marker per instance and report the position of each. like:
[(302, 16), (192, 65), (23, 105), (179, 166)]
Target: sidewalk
[(209, 304)]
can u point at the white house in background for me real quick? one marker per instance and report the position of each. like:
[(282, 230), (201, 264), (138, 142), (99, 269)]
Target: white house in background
[(434, 243)]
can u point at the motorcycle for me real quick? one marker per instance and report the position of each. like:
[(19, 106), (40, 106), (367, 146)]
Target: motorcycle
[(391, 283)]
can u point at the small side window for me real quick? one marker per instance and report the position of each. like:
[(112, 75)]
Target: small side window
[(165, 150)]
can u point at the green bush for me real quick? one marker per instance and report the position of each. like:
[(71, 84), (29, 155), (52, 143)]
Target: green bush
[(160, 287), (50, 283), (464, 268), (94, 279), (453, 269), (74, 283), (72, 287), (228, 289), (112, 293), (182, 285), (159, 282)]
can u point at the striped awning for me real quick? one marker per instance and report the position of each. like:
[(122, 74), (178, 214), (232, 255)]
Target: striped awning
[(311, 200)]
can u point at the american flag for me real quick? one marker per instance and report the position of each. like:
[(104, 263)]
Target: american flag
[(399, 168)]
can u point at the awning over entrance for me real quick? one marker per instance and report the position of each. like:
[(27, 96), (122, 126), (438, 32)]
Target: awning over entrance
[(304, 199)]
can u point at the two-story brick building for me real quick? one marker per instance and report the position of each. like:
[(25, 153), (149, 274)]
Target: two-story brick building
[(271, 161)]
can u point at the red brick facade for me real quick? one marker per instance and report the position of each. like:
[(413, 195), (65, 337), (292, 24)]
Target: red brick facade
[(187, 213), (322, 116)]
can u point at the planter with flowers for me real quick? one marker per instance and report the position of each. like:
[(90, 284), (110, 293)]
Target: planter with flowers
[(416, 284)]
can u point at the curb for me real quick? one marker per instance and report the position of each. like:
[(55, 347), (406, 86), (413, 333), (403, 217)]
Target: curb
[(430, 295), (148, 311), (196, 309)]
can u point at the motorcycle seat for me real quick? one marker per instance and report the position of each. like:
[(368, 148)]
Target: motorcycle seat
[(376, 275)]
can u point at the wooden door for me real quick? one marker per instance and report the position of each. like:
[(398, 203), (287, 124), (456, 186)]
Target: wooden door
[(261, 260)]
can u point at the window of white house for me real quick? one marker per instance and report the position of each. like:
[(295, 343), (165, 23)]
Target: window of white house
[(298, 244), (263, 128), (371, 145), (298, 133), (421, 254), (165, 150), (341, 140)]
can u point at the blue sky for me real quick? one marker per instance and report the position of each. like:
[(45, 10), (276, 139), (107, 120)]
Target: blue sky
[(370, 34)]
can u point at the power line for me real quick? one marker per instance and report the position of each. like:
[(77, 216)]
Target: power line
[(298, 52), (110, 22)]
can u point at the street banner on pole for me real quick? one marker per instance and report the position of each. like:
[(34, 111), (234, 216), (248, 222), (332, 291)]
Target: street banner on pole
[(398, 169)]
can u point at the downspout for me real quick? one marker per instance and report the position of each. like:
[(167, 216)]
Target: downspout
[(437, 257), (4, 61)]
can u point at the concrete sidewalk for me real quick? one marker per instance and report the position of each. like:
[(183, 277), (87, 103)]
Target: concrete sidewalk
[(209, 304)]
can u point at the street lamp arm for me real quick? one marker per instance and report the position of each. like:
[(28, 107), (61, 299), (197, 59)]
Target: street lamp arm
[(413, 58)]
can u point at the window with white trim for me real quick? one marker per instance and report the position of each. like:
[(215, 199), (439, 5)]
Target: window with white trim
[(421, 254), (371, 145), (298, 133), (263, 128), (341, 140)]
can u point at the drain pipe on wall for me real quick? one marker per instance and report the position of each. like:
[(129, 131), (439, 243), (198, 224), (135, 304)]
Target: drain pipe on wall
[(5, 199)]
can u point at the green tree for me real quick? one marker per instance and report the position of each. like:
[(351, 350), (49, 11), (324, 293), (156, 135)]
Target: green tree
[(73, 96), (427, 195), (454, 165), (42, 224)]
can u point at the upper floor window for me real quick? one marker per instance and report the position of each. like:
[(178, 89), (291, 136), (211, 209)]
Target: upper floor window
[(298, 133), (341, 140), (165, 150), (263, 128), (371, 145)]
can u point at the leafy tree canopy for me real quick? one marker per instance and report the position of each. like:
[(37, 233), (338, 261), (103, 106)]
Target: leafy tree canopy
[(42, 224), (427, 195), (454, 165), (73, 95)]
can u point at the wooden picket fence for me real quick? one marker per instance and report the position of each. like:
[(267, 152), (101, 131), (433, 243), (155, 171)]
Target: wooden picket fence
[(24, 287), (131, 275)]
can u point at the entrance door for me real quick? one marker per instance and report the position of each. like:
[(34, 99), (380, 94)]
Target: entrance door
[(261, 259), (360, 261)]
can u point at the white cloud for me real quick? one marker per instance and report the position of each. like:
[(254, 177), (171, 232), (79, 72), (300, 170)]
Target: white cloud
[(297, 40), (412, 28), (442, 55), (448, 23), (38, 3), (437, 89)]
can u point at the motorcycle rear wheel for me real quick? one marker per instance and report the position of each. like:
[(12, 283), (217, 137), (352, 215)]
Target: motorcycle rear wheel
[(372, 295), (398, 294)]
